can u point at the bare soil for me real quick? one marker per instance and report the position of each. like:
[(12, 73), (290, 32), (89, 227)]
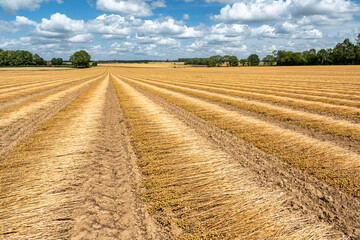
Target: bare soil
[(111, 207)]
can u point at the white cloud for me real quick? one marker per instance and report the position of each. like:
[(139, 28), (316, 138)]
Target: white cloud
[(11, 6), (131, 7), (113, 26), (81, 38), (308, 34), (306, 12), (253, 11), (285, 27), (160, 41), (329, 8), (158, 4), (186, 16), (264, 31), (24, 21), (167, 27), (59, 25), (17, 25), (228, 29)]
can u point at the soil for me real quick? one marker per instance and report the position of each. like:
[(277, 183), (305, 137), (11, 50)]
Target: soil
[(111, 207), (304, 193), (14, 134), (108, 184)]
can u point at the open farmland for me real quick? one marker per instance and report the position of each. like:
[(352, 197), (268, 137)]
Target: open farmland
[(155, 152)]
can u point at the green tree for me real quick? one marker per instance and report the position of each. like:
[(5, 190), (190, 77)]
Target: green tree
[(2, 57), (211, 62), (37, 60), (57, 61), (233, 61), (80, 59), (219, 60), (358, 40), (253, 60), (269, 60), (323, 57), (94, 64), (243, 62), (310, 57), (226, 60)]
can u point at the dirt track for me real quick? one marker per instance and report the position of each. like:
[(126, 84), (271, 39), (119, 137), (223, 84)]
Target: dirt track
[(68, 170)]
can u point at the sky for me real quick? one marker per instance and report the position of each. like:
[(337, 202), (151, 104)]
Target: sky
[(171, 29)]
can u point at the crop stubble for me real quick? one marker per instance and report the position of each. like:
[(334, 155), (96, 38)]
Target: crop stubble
[(73, 174)]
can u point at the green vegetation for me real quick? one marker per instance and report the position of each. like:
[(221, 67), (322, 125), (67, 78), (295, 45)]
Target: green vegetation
[(253, 60), (80, 59), (345, 53), (13, 58), (57, 61)]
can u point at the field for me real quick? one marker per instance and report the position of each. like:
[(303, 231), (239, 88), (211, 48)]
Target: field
[(159, 151)]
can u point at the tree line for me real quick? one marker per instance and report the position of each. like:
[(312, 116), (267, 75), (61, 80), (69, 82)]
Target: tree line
[(20, 58), (11, 58), (345, 53)]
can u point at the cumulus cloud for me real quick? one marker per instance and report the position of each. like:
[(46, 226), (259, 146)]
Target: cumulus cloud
[(59, 25), (11, 6), (167, 27), (252, 11), (306, 12), (158, 4), (330, 8), (113, 26), (138, 8), (17, 25)]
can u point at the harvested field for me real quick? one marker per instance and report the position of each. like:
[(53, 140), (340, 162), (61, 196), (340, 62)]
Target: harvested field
[(148, 151)]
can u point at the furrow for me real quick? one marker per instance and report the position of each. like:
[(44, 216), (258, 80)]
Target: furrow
[(305, 193), (324, 160), (110, 206), (18, 122), (196, 189), (40, 178), (323, 124), (343, 111), (240, 80), (10, 96), (233, 90)]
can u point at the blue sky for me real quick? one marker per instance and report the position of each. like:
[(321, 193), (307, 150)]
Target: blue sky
[(169, 29)]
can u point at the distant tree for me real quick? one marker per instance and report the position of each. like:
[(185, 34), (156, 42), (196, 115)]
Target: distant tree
[(53, 61), (233, 61), (2, 57), (323, 57), (253, 60), (56, 61), (310, 57), (211, 62), (226, 59), (80, 59), (219, 60), (243, 62), (37, 60), (94, 64), (269, 60), (358, 40), (194, 61)]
